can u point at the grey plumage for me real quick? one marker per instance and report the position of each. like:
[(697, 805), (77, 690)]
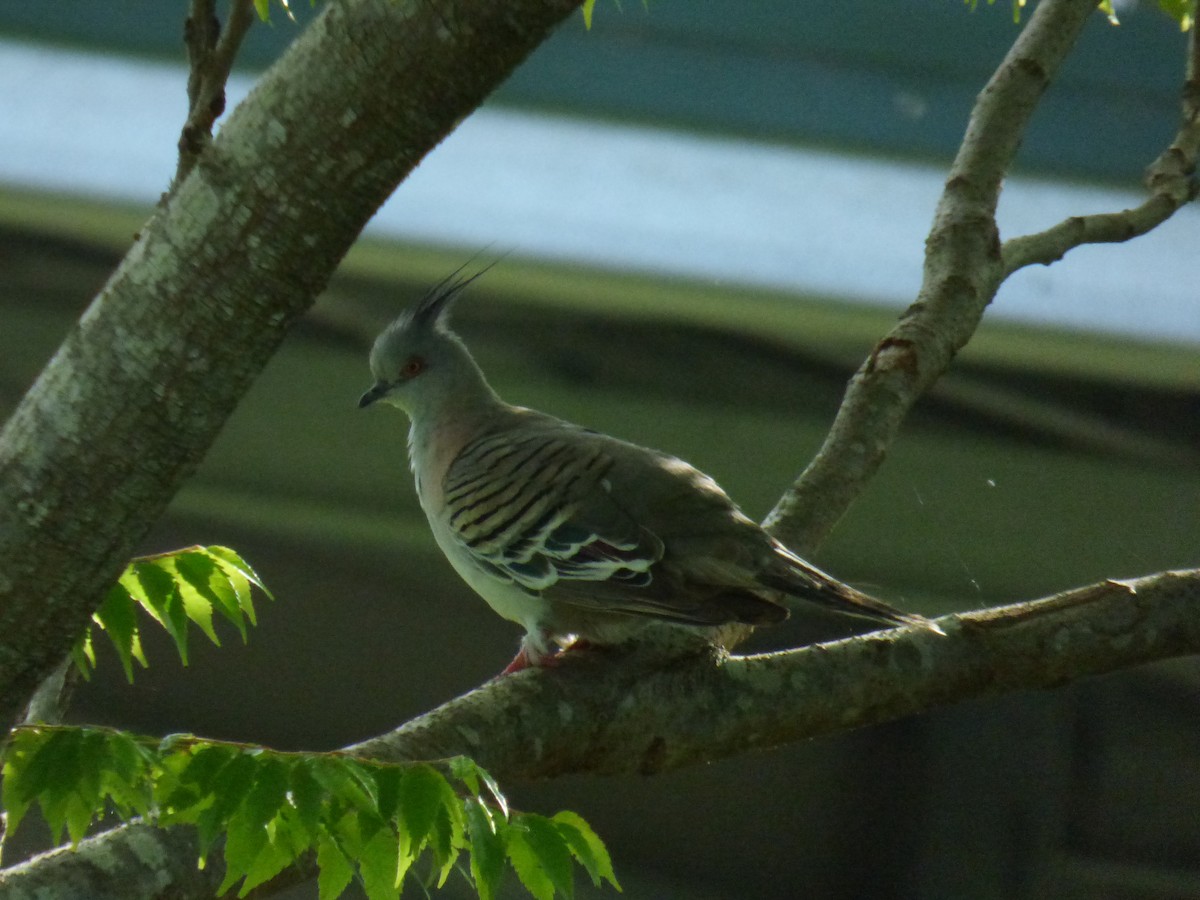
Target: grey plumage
[(571, 533)]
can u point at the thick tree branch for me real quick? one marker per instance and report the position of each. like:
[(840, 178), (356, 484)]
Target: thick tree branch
[(240, 249), (634, 712), (962, 273), (1171, 180), (642, 716)]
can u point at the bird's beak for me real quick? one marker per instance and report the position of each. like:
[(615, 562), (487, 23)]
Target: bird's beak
[(378, 390)]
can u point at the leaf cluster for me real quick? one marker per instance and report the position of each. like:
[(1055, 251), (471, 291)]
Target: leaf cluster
[(174, 588), (371, 822)]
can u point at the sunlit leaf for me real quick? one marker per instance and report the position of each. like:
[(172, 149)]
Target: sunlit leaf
[(335, 869), (487, 849), (585, 845), (378, 864), (116, 617)]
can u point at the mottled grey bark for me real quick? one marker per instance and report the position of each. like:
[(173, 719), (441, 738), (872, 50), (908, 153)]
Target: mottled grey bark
[(238, 253), (597, 716), (139, 389), (610, 712), (965, 266)]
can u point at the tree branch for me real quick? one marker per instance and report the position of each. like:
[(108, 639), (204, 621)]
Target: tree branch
[(638, 715), (211, 52), (1171, 180), (962, 273), (630, 711), (238, 251)]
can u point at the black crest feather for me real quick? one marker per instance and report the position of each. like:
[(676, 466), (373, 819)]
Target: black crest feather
[(432, 309)]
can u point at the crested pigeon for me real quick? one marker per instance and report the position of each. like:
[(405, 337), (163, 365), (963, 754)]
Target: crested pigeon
[(572, 534)]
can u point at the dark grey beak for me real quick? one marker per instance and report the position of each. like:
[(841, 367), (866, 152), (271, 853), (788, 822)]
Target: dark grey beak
[(378, 389)]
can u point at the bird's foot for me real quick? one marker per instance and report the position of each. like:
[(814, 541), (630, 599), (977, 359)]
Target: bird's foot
[(530, 658)]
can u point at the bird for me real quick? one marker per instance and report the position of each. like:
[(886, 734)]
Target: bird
[(581, 538)]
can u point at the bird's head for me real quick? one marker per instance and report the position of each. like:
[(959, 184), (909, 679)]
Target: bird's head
[(418, 363)]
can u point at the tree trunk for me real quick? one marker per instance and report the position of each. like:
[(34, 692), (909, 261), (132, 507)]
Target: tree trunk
[(139, 389)]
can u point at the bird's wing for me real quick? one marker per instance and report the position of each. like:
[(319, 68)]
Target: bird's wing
[(532, 506), (536, 507)]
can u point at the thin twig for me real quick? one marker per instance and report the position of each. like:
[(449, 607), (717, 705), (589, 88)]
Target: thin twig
[(1171, 180), (962, 273), (211, 53)]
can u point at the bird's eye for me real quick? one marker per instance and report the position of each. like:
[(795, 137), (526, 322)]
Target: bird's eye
[(414, 367)]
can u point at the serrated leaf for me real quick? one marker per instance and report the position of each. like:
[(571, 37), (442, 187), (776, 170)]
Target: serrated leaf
[(38, 758), (487, 849), (198, 599), (269, 792), (150, 581), (244, 840), (387, 789), (209, 577), (378, 864), (274, 857), (446, 838), (585, 845), (550, 849), (52, 774), (126, 775), (228, 787), (335, 869), (527, 865), (471, 774), (116, 617), (156, 590), (345, 781), (193, 792), (306, 798), (84, 654), (233, 563), (422, 793)]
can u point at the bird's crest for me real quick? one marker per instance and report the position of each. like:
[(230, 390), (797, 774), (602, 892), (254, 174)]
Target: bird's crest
[(433, 309)]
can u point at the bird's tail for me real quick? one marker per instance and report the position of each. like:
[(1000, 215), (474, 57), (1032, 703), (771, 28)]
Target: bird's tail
[(799, 578)]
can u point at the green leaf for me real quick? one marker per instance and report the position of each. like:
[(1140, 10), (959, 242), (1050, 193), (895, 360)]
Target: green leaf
[(550, 849), (585, 845), (527, 865), (345, 780), (229, 788), (272, 859), (155, 589), (378, 864), (234, 565), (263, 8), (387, 789), (116, 617), (194, 792), (306, 798), (244, 840), (471, 774), (199, 599), (487, 849), (449, 833), (269, 791), (126, 776), (589, 6), (422, 793), (335, 869), (84, 654)]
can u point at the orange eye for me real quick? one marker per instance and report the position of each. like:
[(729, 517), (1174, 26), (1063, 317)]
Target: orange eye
[(414, 367)]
